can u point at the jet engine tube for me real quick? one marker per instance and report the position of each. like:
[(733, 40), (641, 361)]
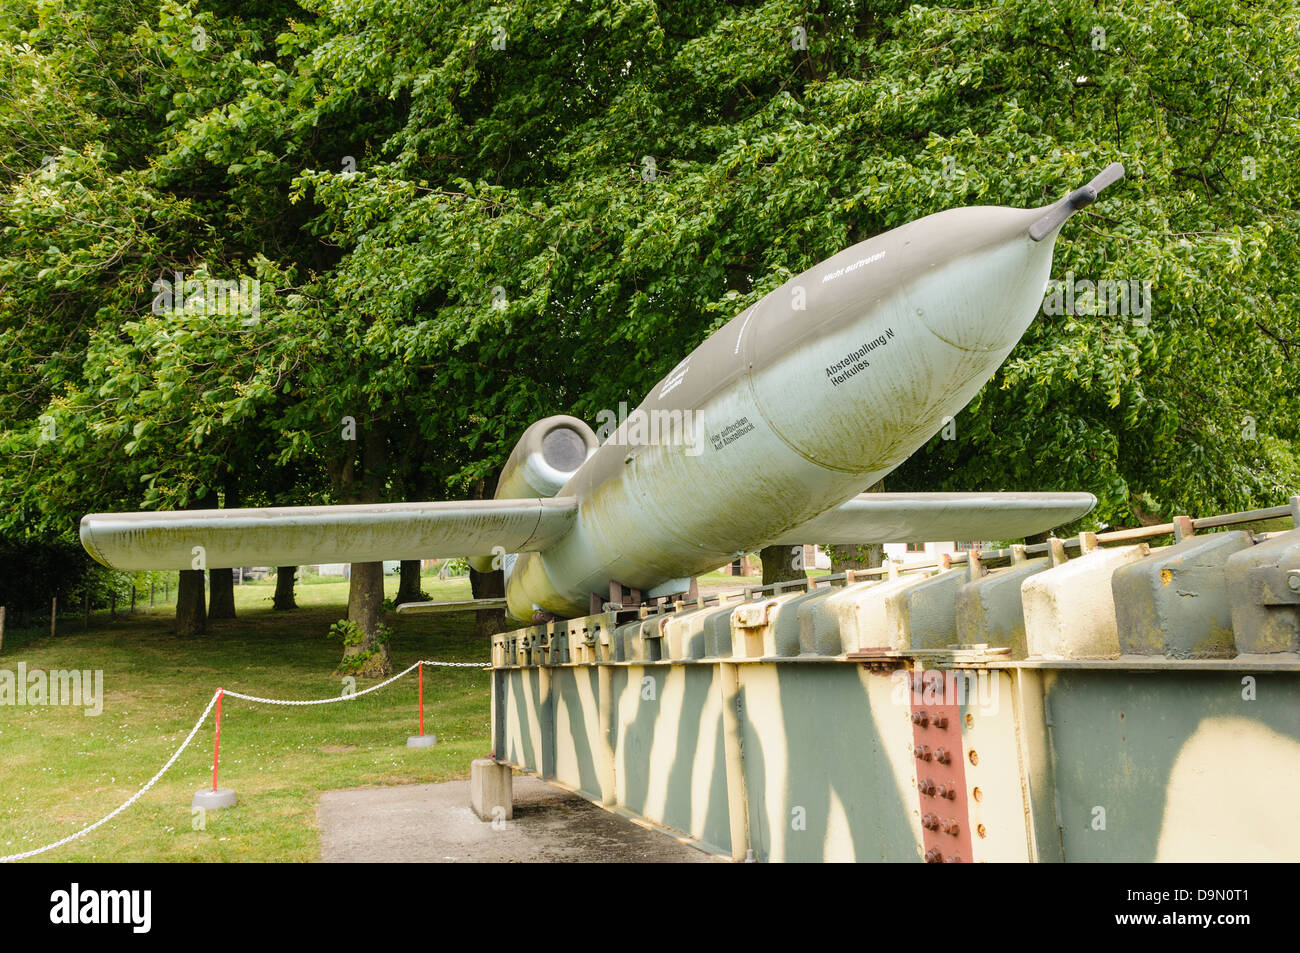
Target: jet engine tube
[(546, 456)]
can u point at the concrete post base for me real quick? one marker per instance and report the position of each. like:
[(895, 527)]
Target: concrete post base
[(491, 790), (421, 741), (211, 800)]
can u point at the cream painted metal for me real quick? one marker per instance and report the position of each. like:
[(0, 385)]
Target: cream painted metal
[(1070, 609), (760, 729)]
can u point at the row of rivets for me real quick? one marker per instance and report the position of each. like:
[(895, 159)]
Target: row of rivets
[(930, 789), (947, 824), (935, 856)]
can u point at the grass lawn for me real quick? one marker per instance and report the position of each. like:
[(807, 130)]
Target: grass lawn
[(60, 769)]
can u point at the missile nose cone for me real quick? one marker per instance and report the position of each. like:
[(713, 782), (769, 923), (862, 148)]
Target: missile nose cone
[(1055, 215), (992, 296), (981, 300)]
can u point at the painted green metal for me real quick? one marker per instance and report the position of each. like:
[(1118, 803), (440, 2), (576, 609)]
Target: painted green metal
[(989, 610), (732, 727), (884, 341), (1265, 597), (1194, 766), (1175, 602)]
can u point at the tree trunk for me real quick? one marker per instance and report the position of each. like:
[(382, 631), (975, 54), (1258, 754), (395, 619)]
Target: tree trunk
[(408, 590), (865, 556), (191, 609), (488, 585), (221, 582), (284, 577), (221, 601), (782, 564), (369, 655)]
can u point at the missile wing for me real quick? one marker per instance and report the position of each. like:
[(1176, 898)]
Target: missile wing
[(766, 433), (293, 535), (909, 517)]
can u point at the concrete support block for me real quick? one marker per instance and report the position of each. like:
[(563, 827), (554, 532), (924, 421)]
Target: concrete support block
[(500, 656), (684, 632), (901, 612), (1264, 586), (829, 626), (645, 641), (923, 613), (603, 644), (1175, 602), (213, 800), (1070, 610), (620, 643), (491, 790), (717, 633), (557, 643), (872, 626), (529, 651), (582, 641), (989, 610), (768, 628)]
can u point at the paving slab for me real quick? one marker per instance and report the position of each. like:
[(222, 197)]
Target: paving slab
[(433, 823)]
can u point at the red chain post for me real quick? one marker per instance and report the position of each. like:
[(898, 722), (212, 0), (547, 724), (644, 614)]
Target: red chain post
[(421, 674), (216, 742)]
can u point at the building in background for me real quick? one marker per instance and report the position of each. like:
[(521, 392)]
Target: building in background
[(928, 552)]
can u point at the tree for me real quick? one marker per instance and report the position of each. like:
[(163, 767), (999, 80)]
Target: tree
[(283, 600), (191, 604), (541, 209), (408, 587), (221, 582), (782, 564)]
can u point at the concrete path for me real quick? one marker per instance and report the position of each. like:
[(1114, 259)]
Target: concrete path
[(432, 823)]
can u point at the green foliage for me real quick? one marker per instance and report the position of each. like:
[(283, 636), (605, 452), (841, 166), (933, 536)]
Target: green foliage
[(36, 571), (358, 649), (469, 216), (455, 567)]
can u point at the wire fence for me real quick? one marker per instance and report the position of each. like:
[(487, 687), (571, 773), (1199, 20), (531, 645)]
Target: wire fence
[(216, 695)]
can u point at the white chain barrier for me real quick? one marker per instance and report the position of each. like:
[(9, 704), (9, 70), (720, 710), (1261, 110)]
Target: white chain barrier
[(129, 801), (195, 730), (349, 697)]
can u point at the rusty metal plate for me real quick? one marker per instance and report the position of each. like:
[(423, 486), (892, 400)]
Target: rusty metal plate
[(940, 772)]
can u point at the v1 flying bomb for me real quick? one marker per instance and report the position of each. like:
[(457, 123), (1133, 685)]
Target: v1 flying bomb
[(765, 434)]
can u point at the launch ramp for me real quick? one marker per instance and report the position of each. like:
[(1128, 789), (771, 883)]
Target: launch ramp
[(1131, 696)]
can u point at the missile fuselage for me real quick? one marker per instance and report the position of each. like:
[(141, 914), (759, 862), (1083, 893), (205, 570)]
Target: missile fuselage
[(796, 405), (763, 434)]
